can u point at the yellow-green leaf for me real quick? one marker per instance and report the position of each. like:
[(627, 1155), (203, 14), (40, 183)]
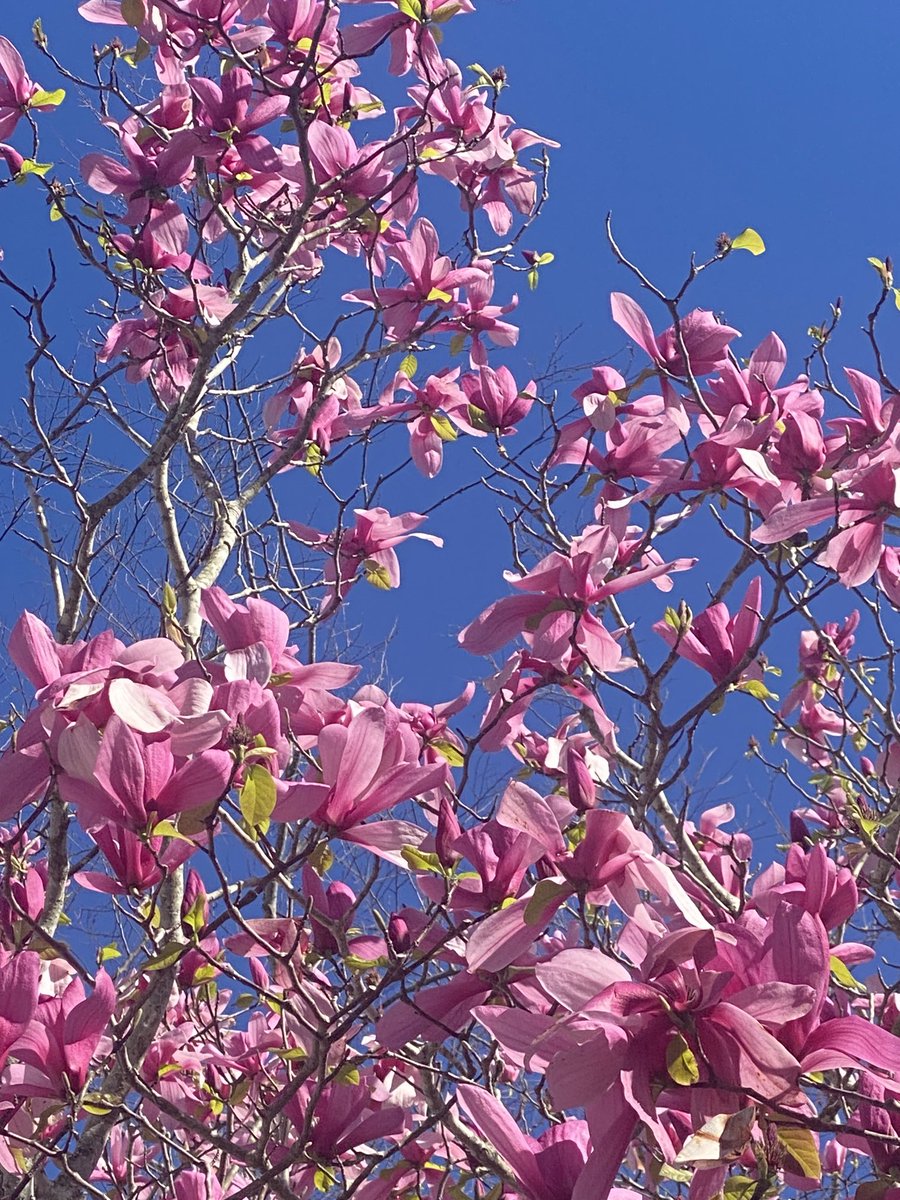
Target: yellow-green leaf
[(545, 892), (750, 240), (409, 365), (166, 957), (96, 1108), (258, 797), (30, 167), (137, 54), (443, 427), (436, 294), (419, 860), (109, 952), (168, 829), (886, 276), (42, 99), (533, 278), (756, 688), (840, 973), (56, 211), (681, 1063), (457, 343), (323, 1179), (800, 1145), (133, 13), (447, 750), (377, 575), (195, 918), (314, 458), (169, 600), (739, 1187)]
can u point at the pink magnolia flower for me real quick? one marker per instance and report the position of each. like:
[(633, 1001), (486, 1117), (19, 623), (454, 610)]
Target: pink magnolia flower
[(130, 780), (16, 89), (717, 641), (438, 410), (554, 615), (255, 637), (547, 1168), (496, 399), (705, 340), (20, 975), (63, 1035), (368, 545), (859, 507), (230, 118), (433, 280), (365, 767)]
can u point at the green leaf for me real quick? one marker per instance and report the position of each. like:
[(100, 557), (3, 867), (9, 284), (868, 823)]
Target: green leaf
[(672, 619), (169, 600), (750, 240), (137, 55), (42, 99), (170, 953), (457, 343), (96, 1108), (109, 952), (194, 919), (447, 750), (134, 13), (484, 78), (258, 797), (543, 260), (545, 892), (411, 9), (443, 427), (56, 211), (884, 274), (291, 1054), (168, 829), (409, 365), (323, 1179), (533, 278), (739, 1187), (314, 458), (676, 1174), (800, 1145), (420, 860), (377, 575), (681, 1063), (840, 973), (30, 167), (755, 688)]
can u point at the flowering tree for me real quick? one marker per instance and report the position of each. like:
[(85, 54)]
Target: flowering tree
[(264, 930)]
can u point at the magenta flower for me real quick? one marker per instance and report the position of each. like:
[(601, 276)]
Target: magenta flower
[(433, 280), (16, 89), (62, 1037), (715, 640), (705, 340), (496, 399), (368, 545)]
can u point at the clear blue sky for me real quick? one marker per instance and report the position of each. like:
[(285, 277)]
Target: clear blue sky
[(685, 120)]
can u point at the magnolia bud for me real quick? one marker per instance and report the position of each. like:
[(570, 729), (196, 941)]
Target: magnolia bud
[(398, 934)]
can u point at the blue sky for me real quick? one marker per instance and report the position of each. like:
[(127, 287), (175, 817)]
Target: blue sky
[(685, 121)]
